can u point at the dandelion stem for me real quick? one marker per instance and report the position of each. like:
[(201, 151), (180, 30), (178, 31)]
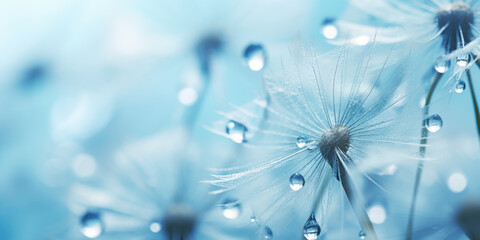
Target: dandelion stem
[(357, 204), (422, 149), (474, 99)]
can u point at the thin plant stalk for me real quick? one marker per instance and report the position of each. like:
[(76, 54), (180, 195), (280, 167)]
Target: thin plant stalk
[(422, 150), (474, 99), (356, 203)]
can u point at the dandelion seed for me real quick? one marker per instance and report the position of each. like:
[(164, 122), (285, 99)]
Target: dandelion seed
[(319, 129)]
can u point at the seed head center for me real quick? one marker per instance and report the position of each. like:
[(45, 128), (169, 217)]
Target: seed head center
[(453, 20), (337, 138), (179, 220)]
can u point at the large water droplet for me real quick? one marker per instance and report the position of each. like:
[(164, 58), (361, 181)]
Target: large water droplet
[(362, 235), (441, 66), (296, 181), (231, 208), (311, 229), (329, 30), (460, 86), (236, 131), (434, 123), (463, 59), (267, 233), (155, 226), (91, 224), (255, 56)]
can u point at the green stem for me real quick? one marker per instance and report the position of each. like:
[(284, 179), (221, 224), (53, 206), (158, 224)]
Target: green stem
[(422, 149), (357, 204), (474, 99)]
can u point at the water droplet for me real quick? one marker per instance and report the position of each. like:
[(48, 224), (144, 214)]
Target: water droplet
[(155, 226), (253, 219), (441, 66), (231, 208), (460, 86), (329, 30), (301, 141), (255, 56), (362, 235), (311, 229), (434, 123), (296, 181), (91, 224), (267, 233), (236, 131), (305, 142), (463, 59)]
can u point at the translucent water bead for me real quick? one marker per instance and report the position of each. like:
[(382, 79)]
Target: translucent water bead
[(362, 235), (311, 229), (296, 181), (460, 86), (255, 56), (236, 131), (463, 59), (267, 233), (441, 66), (434, 123), (329, 30), (231, 208), (91, 224)]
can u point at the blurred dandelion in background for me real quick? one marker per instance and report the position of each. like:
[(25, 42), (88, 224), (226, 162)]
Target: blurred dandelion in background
[(110, 125)]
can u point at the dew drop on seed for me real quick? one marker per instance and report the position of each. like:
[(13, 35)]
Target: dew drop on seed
[(362, 235), (311, 229), (267, 233), (460, 86), (434, 123), (231, 208), (91, 224), (301, 142), (236, 131), (296, 181), (155, 226), (329, 30), (441, 66), (255, 56), (463, 59)]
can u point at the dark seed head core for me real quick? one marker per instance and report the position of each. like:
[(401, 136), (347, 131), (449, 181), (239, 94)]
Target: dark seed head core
[(337, 138), (179, 221), (457, 19)]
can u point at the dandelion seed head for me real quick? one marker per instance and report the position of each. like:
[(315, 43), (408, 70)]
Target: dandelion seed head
[(179, 220), (337, 138), (456, 19)]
